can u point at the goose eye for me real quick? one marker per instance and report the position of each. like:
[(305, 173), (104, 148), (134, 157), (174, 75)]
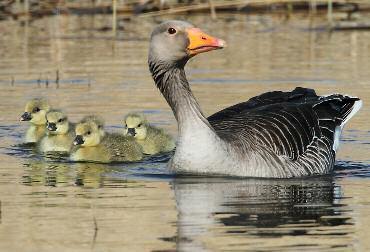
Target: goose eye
[(60, 120), (89, 132), (171, 30), (139, 125), (35, 110)]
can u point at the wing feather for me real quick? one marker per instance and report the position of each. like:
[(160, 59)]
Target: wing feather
[(299, 125)]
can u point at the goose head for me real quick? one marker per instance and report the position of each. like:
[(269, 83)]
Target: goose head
[(175, 42), (57, 122), (136, 125), (88, 134), (35, 111), (97, 120)]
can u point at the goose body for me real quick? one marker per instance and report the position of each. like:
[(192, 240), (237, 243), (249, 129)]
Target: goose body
[(112, 148), (35, 112), (60, 133), (277, 134), (152, 140), (34, 133), (92, 143)]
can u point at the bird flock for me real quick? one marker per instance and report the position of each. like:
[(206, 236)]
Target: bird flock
[(51, 131), (276, 134)]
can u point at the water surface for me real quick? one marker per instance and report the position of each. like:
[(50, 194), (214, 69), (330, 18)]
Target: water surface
[(49, 204)]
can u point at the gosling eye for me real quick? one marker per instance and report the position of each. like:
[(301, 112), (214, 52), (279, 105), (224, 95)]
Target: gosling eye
[(60, 120), (35, 110), (171, 30), (126, 125), (89, 132), (139, 125)]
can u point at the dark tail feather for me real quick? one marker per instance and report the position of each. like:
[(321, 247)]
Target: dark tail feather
[(334, 112), (338, 107)]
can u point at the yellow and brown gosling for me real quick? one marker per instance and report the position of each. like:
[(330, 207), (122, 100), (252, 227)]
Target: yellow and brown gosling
[(92, 143), (35, 112), (60, 133), (97, 120), (153, 140)]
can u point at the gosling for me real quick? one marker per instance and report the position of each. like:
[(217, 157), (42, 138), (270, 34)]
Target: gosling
[(97, 120), (35, 113), (92, 143), (60, 133), (152, 140)]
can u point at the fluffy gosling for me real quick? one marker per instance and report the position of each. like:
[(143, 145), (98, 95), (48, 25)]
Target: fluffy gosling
[(35, 112), (94, 144), (60, 133), (152, 140)]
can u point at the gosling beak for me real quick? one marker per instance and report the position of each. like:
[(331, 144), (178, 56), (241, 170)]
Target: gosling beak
[(131, 131), (200, 42), (78, 140), (26, 116), (52, 126)]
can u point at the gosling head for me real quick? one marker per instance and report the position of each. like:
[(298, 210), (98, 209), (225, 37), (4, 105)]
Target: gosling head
[(136, 125), (35, 111), (174, 42), (88, 134), (95, 119), (57, 122)]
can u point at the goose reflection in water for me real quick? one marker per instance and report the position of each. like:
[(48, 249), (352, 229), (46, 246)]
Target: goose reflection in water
[(47, 174), (211, 213), (233, 211), (88, 175)]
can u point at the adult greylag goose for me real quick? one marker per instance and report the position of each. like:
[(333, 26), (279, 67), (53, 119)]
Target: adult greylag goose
[(277, 134)]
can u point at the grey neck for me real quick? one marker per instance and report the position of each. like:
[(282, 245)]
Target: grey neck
[(171, 81)]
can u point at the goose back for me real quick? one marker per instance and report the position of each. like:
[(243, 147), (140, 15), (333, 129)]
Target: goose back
[(298, 126)]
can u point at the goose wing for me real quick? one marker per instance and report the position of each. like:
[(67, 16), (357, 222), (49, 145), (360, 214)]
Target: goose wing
[(298, 95), (291, 124)]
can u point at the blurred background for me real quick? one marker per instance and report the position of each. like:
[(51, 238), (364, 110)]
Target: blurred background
[(337, 11), (90, 57)]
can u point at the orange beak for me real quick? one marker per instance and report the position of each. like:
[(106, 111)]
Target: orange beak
[(201, 42)]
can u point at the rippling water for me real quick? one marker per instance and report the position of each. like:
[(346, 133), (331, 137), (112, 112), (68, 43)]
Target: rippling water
[(49, 203)]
